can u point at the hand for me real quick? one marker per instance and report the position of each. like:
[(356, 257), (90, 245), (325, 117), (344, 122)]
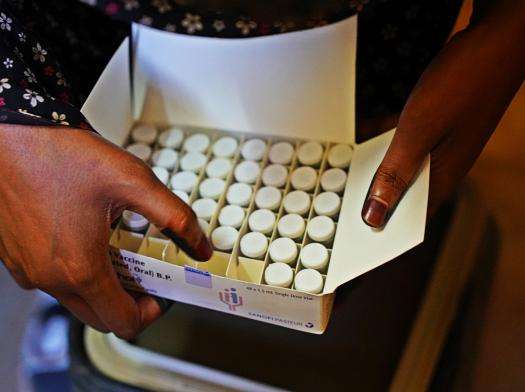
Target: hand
[(60, 191), (453, 110)]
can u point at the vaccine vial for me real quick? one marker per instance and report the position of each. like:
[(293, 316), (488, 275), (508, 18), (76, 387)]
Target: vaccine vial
[(184, 181), (193, 161), (198, 142), (321, 229), (239, 194), (247, 172), (144, 133), (134, 222), (224, 237), (204, 208), (278, 275), (261, 221), (165, 157), (254, 245), (340, 156), (183, 196), (291, 226), (231, 216), (309, 280), (283, 250), (333, 180), (268, 197), (310, 153), (281, 153), (212, 188), (162, 174), (225, 147), (275, 175), (140, 150), (253, 149), (327, 203), (171, 138), (297, 202), (219, 168), (314, 255), (304, 178)]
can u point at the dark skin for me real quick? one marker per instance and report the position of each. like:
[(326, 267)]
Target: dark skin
[(61, 189)]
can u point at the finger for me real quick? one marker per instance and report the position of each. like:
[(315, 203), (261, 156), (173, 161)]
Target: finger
[(117, 310), (81, 310), (149, 197), (391, 180)]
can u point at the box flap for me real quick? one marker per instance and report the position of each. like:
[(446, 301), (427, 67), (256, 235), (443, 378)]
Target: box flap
[(299, 84), (357, 247), (108, 107)]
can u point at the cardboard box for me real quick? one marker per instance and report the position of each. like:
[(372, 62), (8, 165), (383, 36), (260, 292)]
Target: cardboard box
[(298, 86)]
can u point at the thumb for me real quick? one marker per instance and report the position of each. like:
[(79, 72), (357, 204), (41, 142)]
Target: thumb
[(391, 180), (148, 196)]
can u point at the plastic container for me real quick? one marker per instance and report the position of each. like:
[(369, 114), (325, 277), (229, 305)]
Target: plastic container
[(198, 142), (225, 147), (278, 275), (310, 153), (314, 255), (231, 216), (281, 153), (327, 203), (309, 280), (171, 138), (268, 197), (340, 156), (247, 172), (254, 245), (253, 149), (283, 250), (291, 226), (275, 175), (333, 180), (223, 238), (304, 178), (262, 221), (239, 194), (297, 202), (321, 229), (219, 168), (212, 188)]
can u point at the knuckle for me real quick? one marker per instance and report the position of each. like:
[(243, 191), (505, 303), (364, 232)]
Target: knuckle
[(128, 331), (390, 176), (80, 280)]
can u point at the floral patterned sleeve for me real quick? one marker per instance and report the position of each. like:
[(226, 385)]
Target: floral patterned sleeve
[(33, 90)]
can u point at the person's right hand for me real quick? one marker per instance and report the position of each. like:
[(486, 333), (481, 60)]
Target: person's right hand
[(61, 188)]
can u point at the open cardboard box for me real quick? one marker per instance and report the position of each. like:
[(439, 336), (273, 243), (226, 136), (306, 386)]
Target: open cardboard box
[(298, 85)]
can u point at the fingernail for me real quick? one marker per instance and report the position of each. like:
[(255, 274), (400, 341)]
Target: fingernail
[(374, 212), (204, 249)]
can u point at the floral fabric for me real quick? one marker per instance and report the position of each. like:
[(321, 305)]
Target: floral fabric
[(51, 53)]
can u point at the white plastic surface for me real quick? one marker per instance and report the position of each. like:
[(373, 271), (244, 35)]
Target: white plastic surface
[(291, 226), (247, 172), (268, 197), (224, 237), (262, 221), (254, 245), (225, 147), (198, 142), (239, 194), (309, 281), (165, 157), (279, 275), (218, 168), (140, 150), (171, 137), (321, 229), (204, 208), (304, 178), (340, 156), (231, 215), (212, 188), (333, 180), (327, 203), (253, 149), (297, 202), (275, 175), (310, 153), (183, 181), (314, 255), (283, 250)]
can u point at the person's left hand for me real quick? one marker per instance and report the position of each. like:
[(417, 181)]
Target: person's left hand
[(452, 111)]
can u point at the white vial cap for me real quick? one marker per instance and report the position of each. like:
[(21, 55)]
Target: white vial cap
[(253, 149), (225, 147), (205, 226), (140, 150), (231, 216), (144, 133), (291, 226), (333, 180), (212, 188), (278, 275), (304, 178), (314, 255), (224, 237), (297, 202), (340, 156), (309, 281), (165, 157), (171, 138), (161, 173), (183, 196), (193, 161), (204, 208), (310, 153), (321, 229), (327, 203), (283, 250), (261, 221), (268, 197), (275, 175), (184, 181), (254, 245), (134, 221), (281, 153), (198, 142), (239, 194), (247, 172), (218, 168)]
